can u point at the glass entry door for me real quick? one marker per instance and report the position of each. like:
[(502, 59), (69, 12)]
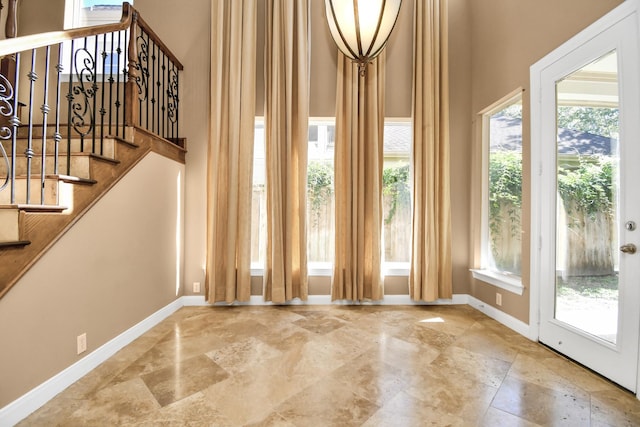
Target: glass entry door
[(587, 208), (589, 203)]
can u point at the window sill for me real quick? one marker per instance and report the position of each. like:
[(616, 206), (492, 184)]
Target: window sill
[(508, 283), (316, 269), (325, 269), (396, 268)]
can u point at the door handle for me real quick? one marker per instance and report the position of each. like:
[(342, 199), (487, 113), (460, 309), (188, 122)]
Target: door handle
[(629, 248)]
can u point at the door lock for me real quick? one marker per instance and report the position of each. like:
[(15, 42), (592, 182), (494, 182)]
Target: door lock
[(630, 225), (629, 248)]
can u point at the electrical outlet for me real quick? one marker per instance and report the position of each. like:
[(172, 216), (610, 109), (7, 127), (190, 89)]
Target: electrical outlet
[(196, 287), (81, 342), (498, 298)]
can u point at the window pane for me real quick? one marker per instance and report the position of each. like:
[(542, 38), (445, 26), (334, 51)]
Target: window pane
[(320, 193), (97, 12), (111, 63), (259, 200), (505, 190), (588, 179), (92, 3), (396, 192)]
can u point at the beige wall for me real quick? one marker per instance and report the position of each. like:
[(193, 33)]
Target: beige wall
[(460, 132), (186, 31), (38, 16), (507, 37), (115, 267)]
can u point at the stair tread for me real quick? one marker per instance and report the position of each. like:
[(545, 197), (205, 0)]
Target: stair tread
[(126, 142), (104, 158), (15, 243), (77, 179), (41, 208)]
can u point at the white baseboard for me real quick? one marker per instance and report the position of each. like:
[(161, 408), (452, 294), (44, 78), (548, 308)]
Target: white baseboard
[(502, 317), (199, 301), (22, 407), (31, 401), (193, 301)]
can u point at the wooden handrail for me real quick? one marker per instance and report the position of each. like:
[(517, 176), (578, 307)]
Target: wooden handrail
[(20, 44)]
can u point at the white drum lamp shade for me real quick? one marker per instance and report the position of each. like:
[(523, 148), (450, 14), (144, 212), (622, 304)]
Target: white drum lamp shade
[(361, 28)]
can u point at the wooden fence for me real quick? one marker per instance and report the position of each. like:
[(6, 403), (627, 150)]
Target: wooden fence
[(586, 242), (321, 230)]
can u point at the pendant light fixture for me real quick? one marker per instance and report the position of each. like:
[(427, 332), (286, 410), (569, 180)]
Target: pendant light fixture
[(361, 28)]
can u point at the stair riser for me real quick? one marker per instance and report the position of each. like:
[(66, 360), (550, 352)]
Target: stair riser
[(79, 166), (9, 225), (51, 192), (108, 146)]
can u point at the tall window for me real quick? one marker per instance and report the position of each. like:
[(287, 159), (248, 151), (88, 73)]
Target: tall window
[(320, 196), (396, 194), (259, 199), (502, 210)]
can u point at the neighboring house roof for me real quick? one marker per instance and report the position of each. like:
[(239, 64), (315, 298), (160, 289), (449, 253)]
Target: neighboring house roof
[(506, 132), (584, 143)]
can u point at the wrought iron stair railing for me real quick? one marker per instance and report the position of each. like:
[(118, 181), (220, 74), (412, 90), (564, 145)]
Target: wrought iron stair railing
[(73, 91)]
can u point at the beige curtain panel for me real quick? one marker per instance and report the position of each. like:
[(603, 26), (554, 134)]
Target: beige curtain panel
[(358, 181), (286, 130), (230, 154), (430, 275)]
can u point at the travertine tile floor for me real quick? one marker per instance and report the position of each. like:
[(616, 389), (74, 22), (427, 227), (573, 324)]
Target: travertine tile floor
[(337, 366)]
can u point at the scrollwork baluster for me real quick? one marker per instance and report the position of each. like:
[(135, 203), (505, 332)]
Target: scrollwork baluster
[(6, 110), (84, 92), (172, 95), (142, 79)]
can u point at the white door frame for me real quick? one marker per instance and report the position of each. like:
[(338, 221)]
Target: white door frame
[(627, 8)]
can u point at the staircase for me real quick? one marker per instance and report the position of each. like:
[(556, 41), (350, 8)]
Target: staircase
[(68, 137)]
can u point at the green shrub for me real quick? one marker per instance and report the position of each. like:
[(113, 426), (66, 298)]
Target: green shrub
[(396, 185), (319, 187), (505, 190), (589, 186)]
